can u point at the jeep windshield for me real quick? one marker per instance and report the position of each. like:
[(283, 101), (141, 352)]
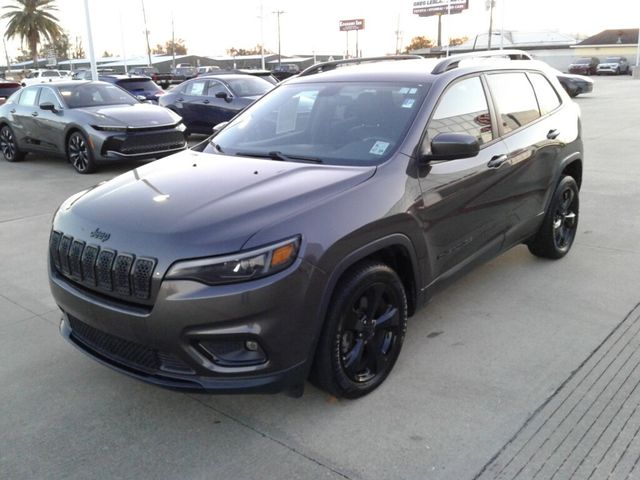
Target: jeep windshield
[(344, 123)]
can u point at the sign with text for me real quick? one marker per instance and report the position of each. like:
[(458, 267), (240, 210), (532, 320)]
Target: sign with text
[(426, 8), (355, 24)]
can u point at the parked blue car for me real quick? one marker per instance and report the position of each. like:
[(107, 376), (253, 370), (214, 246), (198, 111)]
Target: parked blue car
[(206, 101), (138, 85)]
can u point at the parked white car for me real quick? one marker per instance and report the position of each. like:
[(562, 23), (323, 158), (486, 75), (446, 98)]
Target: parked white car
[(44, 76)]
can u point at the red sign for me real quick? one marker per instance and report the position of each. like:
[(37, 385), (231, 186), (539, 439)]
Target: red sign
[(356, 24)]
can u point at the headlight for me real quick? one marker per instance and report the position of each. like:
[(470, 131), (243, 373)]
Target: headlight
[(238, 267), (109, 128)]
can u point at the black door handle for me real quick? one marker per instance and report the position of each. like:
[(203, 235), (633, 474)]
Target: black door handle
[(181, 99), (205, 101), (13, 111), (34, 114), (553, 134), (496, 161)]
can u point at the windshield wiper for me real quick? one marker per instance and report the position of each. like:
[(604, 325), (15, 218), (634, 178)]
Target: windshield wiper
[(216, 146), (276, 155)]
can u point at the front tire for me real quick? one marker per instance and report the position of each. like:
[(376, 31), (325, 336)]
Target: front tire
[(558, 230), (9, 145), (363, 331), (80, 154)]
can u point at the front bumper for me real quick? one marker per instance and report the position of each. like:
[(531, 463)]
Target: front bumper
[(162, 345), (137, 145), (612, 70)]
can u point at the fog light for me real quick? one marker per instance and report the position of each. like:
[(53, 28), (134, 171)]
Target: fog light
[(232, 352), (251, 345)]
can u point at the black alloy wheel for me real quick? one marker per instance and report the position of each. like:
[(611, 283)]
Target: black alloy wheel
[(79, 153), (558, 231), (8, 145), (363, 333)]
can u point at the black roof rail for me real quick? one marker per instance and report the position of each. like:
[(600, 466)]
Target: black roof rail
[(327, 66), (453, 61)]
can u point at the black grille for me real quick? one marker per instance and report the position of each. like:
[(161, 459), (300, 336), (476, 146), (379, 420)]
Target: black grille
[(125, 351), (102, 269), (139, 144)]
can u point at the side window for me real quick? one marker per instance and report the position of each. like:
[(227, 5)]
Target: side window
[(215, 87), (47, 95), (50, 73), (516, 101), (547, 97), (28, 97), (463, 109), (196, 88)]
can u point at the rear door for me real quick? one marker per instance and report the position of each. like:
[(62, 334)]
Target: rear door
[(21, 112), (532, 142)]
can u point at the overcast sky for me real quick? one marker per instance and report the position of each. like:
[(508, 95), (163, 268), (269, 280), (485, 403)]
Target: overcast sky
[(210, 27)]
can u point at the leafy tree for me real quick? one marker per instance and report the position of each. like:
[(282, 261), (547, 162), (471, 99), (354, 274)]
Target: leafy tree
[(107, 54), (167, 48), (234, 52), (418, 42), (457, 41), (78, 49), (60, 45), (32, 20)]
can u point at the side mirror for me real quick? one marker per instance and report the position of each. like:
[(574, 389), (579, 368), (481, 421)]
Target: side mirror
[(224, 95), (451, 146), (141, 98), (48, 106), (219, 127)]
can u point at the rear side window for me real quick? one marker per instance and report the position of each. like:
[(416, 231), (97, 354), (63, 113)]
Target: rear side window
[(463, 109), (548, 99), (28, 97), (50, 74), (517, 105), (196, 87)]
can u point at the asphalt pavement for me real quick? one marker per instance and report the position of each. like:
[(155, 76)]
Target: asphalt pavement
[(501, 376)]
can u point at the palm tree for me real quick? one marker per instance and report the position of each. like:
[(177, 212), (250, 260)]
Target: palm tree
[(32, 20)]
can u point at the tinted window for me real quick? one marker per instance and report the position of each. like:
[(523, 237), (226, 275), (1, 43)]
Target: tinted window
[(197, 87), (516, 101), (583, 61), (547, 97), (50, 74), (47, 96), (136, 86), (215, 87), (250, 86), (5, 91), (463, 109), (28, 97)]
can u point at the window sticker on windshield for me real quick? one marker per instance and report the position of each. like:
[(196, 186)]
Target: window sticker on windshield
[(413, 91), (403, 91), (408, 102), (379, 148)]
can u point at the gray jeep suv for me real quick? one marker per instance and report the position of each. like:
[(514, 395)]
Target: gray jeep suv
[(298, 239)]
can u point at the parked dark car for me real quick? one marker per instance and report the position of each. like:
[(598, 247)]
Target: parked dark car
[(88, 123), (285, 70), (264, 74), (8, 88), (574, 85), (181, 74), (162, 79), (584, 66), (142, 88), (614, 66), (302, 236), (206, 101)]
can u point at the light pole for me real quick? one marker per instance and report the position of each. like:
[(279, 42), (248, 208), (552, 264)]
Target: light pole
[(92, 55), (262, 36), (146, 32), (278, 13)]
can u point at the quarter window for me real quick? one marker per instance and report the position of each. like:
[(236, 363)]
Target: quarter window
[(516, 101), (547, 97), (463, 109)]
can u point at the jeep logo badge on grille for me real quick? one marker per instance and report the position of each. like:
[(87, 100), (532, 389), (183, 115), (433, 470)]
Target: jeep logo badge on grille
[(100, 235)]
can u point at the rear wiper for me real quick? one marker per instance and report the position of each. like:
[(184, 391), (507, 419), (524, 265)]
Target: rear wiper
[(276, 155)]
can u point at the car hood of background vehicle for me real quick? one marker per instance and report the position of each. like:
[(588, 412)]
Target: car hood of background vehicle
[(138, 115), (576, 78), (195, 204)]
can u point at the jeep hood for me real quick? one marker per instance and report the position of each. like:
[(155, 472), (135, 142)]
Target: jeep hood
[(195, 204)]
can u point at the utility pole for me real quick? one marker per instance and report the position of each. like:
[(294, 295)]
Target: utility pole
[(278, 13), (398, 36), (502, 10), (6, 55), (262, 35), (92, 55), (490, 3), (124, 52), (146, 32), (173, 44)]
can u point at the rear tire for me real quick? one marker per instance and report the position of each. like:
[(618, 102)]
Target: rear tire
[(9, 146), (558, 230), (363, 332)]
